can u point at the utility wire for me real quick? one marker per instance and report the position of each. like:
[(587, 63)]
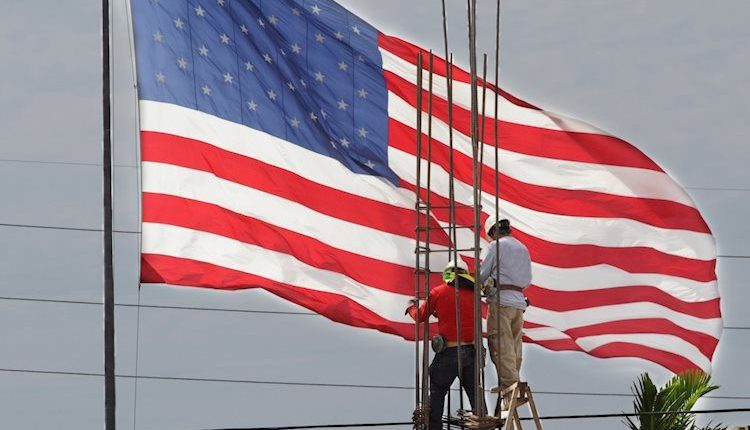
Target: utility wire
[(52, 227), (306, 384), (548, 418), (200, 308)]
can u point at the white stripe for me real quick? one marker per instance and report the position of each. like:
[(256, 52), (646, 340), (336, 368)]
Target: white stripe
[(237, 138), (544, 333), (550, 172), (663, 342), (181, 242), (565, 229), (204, 186), (605, 276), (629, 311), (509, 111)]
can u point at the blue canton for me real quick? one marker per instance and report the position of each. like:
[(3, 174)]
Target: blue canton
[(306, 71)]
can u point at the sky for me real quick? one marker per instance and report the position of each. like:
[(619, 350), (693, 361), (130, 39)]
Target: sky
[(669, 76)]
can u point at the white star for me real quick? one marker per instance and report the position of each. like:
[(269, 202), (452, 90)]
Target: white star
[(362, 93), (319, 37), (343, 66), (267, 58), (252, 105), (343, 104), (273, 20), (228, 78), (271, 94), (291, 86), (362, 132), (206, 90), (315, 9), (319, 76), (370, 164), (179, 23), (332, 143), (262, 24), (249, 66), (361, 58), (313, 116), (160, 77), (203, 50), (324, 114), (302, 81), (220, 2), (339, 36), (182, 63), (344, 142), (200, 11), (296, 48), (158, 37), (244, 29), (282, 52), (295, 11), (294, 122), (224, 39), (356, 29)]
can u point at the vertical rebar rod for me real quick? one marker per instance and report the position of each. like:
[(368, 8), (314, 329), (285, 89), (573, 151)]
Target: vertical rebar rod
[(479, 389), (109, 285), (417, 248), (483, 124), (428, 208), (497, 166)]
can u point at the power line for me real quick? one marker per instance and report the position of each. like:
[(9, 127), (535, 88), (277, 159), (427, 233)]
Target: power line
[(52, 227), (307, 384), (62, 163), (200, 308), (547, 418)]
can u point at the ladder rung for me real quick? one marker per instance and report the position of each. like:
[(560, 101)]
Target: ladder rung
[(427, 250), (445, 207), (443, 228)]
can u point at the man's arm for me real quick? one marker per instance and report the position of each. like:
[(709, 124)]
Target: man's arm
[(488, 264), (424, 313)]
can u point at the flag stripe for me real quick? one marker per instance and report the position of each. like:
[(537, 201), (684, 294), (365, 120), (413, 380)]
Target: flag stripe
[(609, 232), (172, 270), (201, 216), (247, 171), (658, 213), (571, 300), (618, 180), (199, 185)]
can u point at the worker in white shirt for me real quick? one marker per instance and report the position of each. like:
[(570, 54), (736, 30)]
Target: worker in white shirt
[(506, 271)]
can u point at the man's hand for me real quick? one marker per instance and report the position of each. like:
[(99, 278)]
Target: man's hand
[(488, 288), (412, 303)]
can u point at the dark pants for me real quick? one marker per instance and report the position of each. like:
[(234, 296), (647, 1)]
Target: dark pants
[(443, 371)]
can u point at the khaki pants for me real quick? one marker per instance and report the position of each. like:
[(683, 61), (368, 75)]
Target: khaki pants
[(505, 349)]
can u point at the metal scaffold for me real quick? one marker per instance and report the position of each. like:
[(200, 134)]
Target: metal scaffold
[(518, 394)]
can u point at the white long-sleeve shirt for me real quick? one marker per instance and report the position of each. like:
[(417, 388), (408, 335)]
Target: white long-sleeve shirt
[(515, 269)]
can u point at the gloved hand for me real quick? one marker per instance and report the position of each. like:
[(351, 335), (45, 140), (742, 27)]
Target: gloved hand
[(412, 302), (488, 287)]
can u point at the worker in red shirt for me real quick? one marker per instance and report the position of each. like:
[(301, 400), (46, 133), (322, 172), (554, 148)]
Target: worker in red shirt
[(444, 367)]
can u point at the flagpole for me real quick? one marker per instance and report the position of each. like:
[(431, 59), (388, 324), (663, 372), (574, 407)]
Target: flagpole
[(109, 299)]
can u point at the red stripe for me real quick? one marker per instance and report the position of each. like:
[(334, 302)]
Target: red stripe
[(537, 141), (704, 342), (673, 362), (583, 299), (632, 260), (194, 154), (196, 215), (409, 52), (191, 273), (659, 213)]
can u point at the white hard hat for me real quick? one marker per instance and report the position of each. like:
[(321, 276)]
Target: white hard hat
[(461, 265), (489, 223)]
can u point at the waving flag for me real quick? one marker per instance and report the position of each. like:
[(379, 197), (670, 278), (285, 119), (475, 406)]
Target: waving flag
[(279, 152)]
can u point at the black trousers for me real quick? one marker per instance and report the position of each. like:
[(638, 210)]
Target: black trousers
[(443, 371)]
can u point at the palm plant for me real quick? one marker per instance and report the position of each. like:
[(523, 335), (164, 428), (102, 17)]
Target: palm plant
[(679, 394)]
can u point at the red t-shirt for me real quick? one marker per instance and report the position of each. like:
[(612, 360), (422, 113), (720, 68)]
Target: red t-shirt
[(443, 306)]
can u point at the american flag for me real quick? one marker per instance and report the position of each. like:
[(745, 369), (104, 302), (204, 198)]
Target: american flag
[(279, 152)]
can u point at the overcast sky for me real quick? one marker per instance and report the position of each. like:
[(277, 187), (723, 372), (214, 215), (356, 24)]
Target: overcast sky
[(669, 76)]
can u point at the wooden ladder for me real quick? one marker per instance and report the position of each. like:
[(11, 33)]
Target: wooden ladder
[(520, 394)]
